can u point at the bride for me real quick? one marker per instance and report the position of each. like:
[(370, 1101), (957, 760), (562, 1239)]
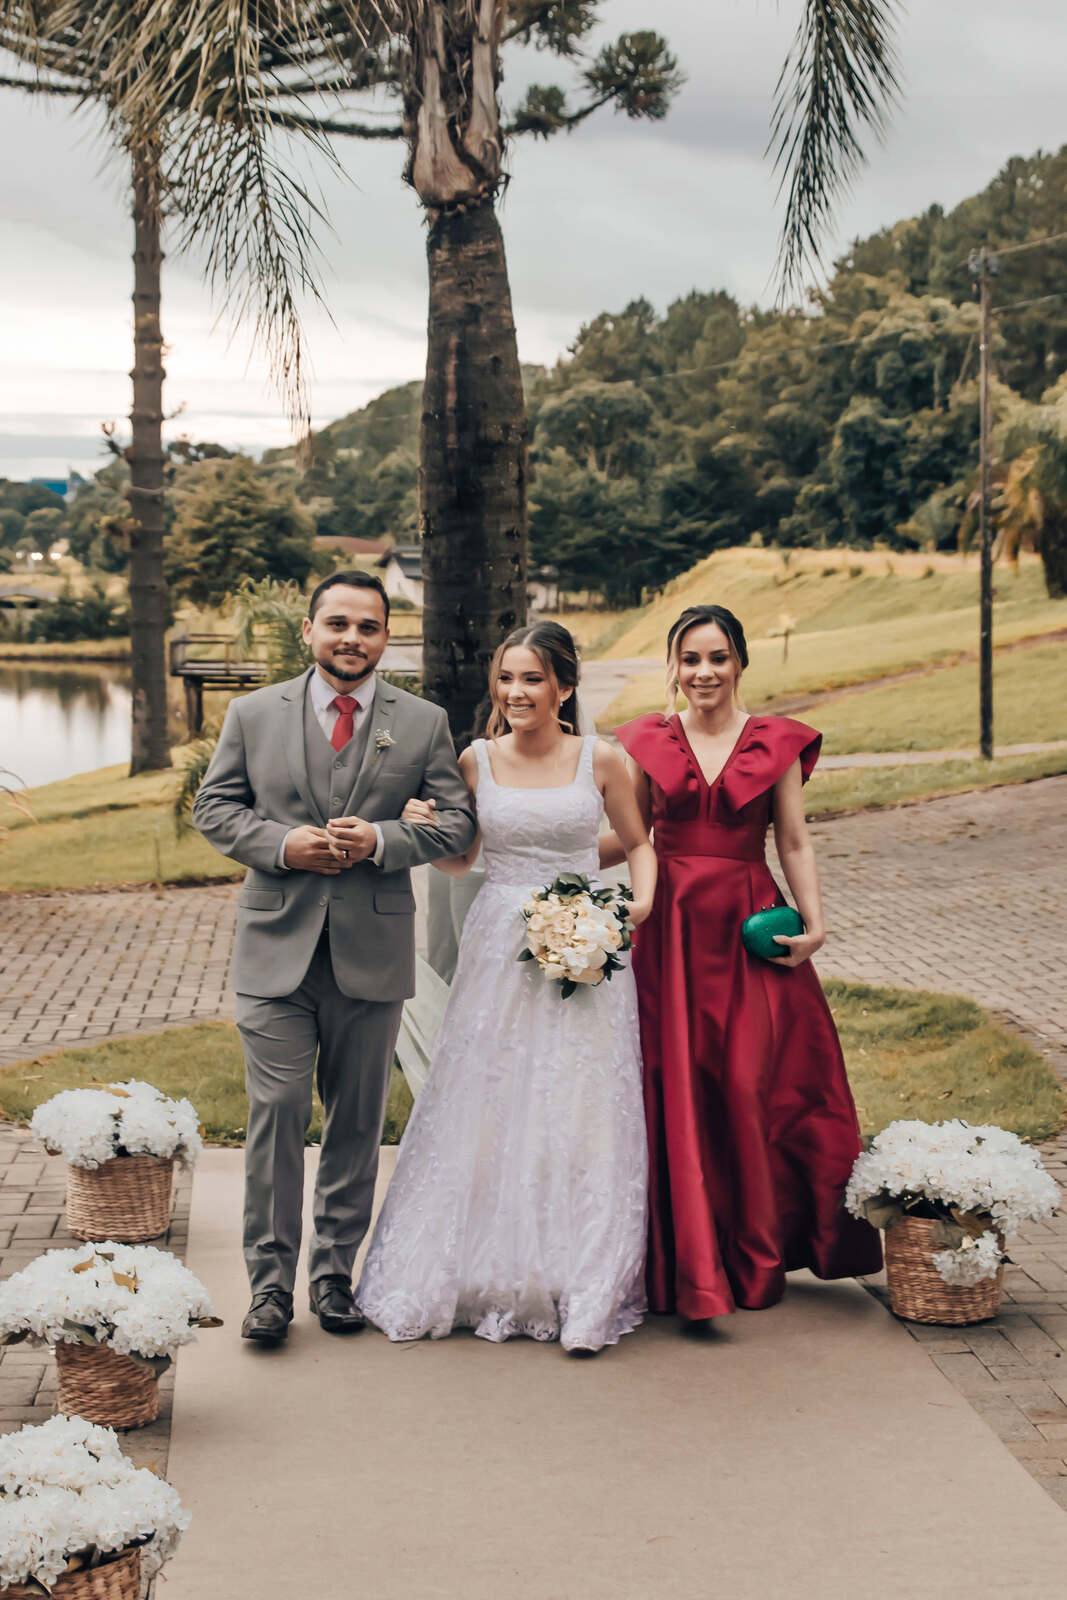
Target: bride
[(518, 1204)]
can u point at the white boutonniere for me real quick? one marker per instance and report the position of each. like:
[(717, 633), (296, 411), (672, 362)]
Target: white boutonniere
[(383, 740)]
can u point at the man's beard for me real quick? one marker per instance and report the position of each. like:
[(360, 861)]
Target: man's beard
[(337, 669)]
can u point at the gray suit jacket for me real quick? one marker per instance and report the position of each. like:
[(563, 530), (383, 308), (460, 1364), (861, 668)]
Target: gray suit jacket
[(256, 788)]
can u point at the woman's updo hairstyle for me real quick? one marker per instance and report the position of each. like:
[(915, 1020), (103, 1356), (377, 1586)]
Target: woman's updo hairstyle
[(557, 653), (696, 617)]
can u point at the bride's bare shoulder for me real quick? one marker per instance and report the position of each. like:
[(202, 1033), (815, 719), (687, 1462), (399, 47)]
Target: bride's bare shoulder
[(606, 761)]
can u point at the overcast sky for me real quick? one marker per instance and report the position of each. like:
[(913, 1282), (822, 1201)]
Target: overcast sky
[(616, 210)]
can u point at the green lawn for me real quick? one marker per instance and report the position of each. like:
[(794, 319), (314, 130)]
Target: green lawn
[(912, 1053), (909, 1054), (99, 828), (833, 660), (857, 787), (203, 1062), (940, 710)]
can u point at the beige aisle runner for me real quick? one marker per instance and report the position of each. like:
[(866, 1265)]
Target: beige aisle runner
[(814, 1450)]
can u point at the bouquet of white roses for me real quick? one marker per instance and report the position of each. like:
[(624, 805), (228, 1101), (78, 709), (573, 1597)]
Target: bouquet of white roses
[(140, 1301), (70, 1499), (89, 1126), (976, 1183), (576, 930)]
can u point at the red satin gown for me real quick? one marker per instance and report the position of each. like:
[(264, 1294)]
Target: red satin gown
[(751, 1125)]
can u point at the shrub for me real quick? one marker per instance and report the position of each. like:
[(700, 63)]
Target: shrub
[(89, 616)]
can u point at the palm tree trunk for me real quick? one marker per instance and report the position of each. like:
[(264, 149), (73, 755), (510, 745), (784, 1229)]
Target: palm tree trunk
[(150, 748), (472, 461)]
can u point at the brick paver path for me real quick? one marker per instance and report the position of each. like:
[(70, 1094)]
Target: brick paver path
[(81, 967), (967, 894), (32, 1190)]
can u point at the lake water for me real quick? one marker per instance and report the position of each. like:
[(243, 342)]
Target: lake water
[(59, 720)]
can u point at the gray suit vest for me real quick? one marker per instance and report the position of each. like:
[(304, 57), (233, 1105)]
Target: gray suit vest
[(331, 773)]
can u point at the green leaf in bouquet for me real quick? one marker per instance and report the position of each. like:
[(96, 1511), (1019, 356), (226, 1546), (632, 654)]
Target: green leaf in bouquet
[(15, 1338), (80, 1333), (567, 988), (947, 1235), (155, 1364), (971, 1222), (526, 955), (882, 1212), (35, 1586), (208, 1322)]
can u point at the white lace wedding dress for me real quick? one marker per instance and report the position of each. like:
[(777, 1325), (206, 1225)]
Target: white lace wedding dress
[(518, 1204)]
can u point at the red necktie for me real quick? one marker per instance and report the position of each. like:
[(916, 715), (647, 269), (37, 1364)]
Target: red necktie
[(344, 727)]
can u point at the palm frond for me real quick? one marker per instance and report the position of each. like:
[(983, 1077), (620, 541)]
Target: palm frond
[(840, 77), (193, 762), (200, 81), (278, 609)]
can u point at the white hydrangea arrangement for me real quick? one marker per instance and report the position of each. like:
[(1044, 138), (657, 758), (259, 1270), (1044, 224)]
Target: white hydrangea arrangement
[(576, 930), (69, 1499), (140, 1301), (89, 1126), (976, 1183)]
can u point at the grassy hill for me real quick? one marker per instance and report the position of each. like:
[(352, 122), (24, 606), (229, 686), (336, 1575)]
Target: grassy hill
[(858, 616), (831, 589)]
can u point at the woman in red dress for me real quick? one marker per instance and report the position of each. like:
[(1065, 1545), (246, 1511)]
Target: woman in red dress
[(751, 1125)]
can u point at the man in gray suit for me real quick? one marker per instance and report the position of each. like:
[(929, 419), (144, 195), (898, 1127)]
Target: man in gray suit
[(306, 787)]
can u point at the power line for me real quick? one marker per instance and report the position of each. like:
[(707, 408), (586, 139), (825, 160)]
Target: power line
[(1031, 244), (1038, 300), (996, 251)]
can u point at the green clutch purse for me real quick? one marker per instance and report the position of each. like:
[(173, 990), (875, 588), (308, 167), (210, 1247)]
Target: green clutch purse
[(758, 930)]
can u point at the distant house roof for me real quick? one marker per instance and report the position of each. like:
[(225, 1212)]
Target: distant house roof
[(408, 558), (350, 546)]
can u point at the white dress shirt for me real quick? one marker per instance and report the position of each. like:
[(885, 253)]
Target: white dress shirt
[(323, 696)]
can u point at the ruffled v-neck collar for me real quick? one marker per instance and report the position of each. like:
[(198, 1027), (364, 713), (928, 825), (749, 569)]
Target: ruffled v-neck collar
[(691, 756)]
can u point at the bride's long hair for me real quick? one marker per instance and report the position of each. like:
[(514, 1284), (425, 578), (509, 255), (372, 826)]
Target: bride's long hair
[(557, 653)]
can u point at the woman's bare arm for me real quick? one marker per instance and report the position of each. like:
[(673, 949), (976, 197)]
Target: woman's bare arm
[(612, 850), (629, 827), (797, 855)]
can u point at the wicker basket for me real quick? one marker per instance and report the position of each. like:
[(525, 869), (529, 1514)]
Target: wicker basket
[(127, 1199), (97, 1383), (917, 1290), (117, 1580)]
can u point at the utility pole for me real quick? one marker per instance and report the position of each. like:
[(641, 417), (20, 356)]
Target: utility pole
[(984, 265)]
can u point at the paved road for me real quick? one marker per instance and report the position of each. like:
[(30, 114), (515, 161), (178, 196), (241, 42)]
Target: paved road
[(967, 894)]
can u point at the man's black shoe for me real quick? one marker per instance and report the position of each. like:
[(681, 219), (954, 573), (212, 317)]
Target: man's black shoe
[(332, 1303), (268, 1317)]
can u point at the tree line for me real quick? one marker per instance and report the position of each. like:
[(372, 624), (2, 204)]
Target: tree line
[(852, 421), (659, 438)]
